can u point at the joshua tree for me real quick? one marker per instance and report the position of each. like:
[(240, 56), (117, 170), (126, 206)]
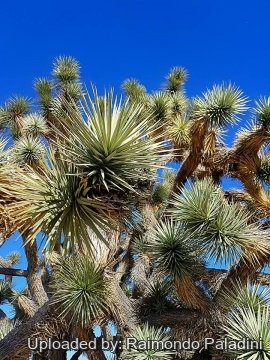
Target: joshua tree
[(128, 240)]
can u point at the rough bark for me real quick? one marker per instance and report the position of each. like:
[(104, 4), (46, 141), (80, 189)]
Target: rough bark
[(198, 133), (262, 278), (34, 280), (172, 317), (15, 343), (13, 272), (243, 270)]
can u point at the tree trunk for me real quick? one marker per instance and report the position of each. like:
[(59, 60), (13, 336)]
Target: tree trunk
[(34, 280)]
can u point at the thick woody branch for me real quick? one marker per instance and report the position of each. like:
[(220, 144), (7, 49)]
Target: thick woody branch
[(172, 317), (262, 278), (198, 133), (13, 272), (243, 270), (15, 342)]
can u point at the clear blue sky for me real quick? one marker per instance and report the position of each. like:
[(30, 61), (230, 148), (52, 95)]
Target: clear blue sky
[(215, 40)]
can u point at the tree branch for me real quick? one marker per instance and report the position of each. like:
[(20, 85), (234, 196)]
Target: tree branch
[(244, 269), (261, 278), (172, 317), (16, 340), (198, 132), (13, 272)]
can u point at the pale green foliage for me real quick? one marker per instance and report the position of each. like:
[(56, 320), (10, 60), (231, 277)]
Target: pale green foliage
[(263, 170), (178, 130), (111, 148), (57, 203), (80, 289), (11, 114), (255, 325), (251, 295), (162, 191), (222, 229), (220, 106), (34, 125), (72, 89), (178, 103), (16, 107), (172, 251), (159, 107), (262, 112), (27, 150), (156, 298), (198, 204), (144, 333), (134, 90), (44, 88), (176, 78), (66, 69)]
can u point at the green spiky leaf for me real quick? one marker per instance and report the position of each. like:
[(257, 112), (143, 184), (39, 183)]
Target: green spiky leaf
[(66, 69), (112, 149), (28, 150), (81, 291), (57, 202), (35, 125), (171, 250), (143, 334), (221, 105), (176, 78), (262, 112), (254, 325)]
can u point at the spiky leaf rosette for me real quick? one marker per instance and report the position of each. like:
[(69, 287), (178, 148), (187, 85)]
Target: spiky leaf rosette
[(34, 125), (27, 150), (263, 170), (12, 112), (198, 204), (162, 191), (247, 323), (134, 90), (17, 106), (143, 334), (111, 148), (157, 298), (160, 194), (44, 88), (57, 202), (243, 296), (223, 230), (66, 69), (173, 253), (72, 90), (81, 291), (220, 106), (178, 131), (262, 112), (159, 107), (178, 104), (176, 78), (171, 249)]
